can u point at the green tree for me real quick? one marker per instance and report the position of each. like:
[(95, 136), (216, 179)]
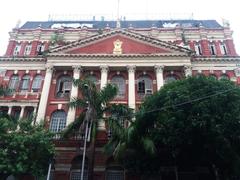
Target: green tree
[(94, 103), (192, 122), (25, 148), (3, 90)]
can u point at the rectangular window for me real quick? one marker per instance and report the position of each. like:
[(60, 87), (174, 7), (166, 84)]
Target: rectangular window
[(198, 49), (212, 49), (223, 49), (17, 50), (28, 49), (40, 48)]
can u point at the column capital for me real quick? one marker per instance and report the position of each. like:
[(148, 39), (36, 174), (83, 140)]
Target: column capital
[(237, 72), (49, 68), (131, 69), (188, 70), (77, 69), (104, 68), (159, 68)]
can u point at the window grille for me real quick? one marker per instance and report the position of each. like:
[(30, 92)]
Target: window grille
[(58, 121), (37, 83), (92, 78), (25, 83), (170, 78), (119, 82), (77, 175), (13, 83)]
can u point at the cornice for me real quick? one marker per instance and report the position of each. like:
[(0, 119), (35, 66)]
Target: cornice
[(216, 59), (117, 56), (22, 59)]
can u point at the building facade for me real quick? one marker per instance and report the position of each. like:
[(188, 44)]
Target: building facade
[(139, 57)]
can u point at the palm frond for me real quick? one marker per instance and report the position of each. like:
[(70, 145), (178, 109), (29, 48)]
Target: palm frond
[(119, 150), (148, 145), (77, 103), (73, 127), (107, 93)]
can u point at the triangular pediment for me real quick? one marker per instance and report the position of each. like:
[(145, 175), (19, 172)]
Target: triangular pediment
[(120, 42)]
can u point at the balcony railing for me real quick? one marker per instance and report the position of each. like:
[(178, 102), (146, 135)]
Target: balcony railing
[(76, 136)]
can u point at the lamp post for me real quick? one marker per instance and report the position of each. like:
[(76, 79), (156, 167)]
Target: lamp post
[(86, 120)]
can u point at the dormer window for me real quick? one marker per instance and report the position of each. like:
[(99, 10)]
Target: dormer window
[(223, 48), (198, 49), (212, 49), (17, 50), (28, 49)]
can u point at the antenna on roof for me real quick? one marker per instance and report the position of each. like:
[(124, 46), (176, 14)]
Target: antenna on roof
[(118, 18)]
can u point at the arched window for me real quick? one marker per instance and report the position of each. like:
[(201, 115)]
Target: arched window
[(213, 76), (170, 78), (92, 78), (224, 76), (58, 121), (114, 171), (13, 83), (37, 83), (144, 85), (25, 83), (119, 82), (76, 168), (64, 85)]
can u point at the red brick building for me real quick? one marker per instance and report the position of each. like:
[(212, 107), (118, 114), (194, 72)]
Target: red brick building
[(139, 57)]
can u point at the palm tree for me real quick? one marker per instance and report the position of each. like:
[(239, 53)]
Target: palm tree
[(129, 137), (94, 103)]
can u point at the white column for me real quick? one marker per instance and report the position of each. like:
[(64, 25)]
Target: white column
[(131, 87), (74, 94), (44, 95), (9, 110), (188, 71), (21, 112), (159, 75), (104, 74)]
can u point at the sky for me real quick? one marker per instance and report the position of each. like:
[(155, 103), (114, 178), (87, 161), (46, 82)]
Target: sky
[(14, 11)]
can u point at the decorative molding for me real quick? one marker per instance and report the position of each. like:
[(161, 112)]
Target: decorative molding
[(104, 69), (187, 70), (131, 69), (77, 69), (49, 68), (159, 69)]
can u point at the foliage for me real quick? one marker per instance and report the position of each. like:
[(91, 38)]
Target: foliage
[(57, 38), (93, 102), (191, 122), (25, 149), (4, 90)]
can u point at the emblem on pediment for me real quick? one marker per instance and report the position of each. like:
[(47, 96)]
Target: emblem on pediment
[(117, 47)]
